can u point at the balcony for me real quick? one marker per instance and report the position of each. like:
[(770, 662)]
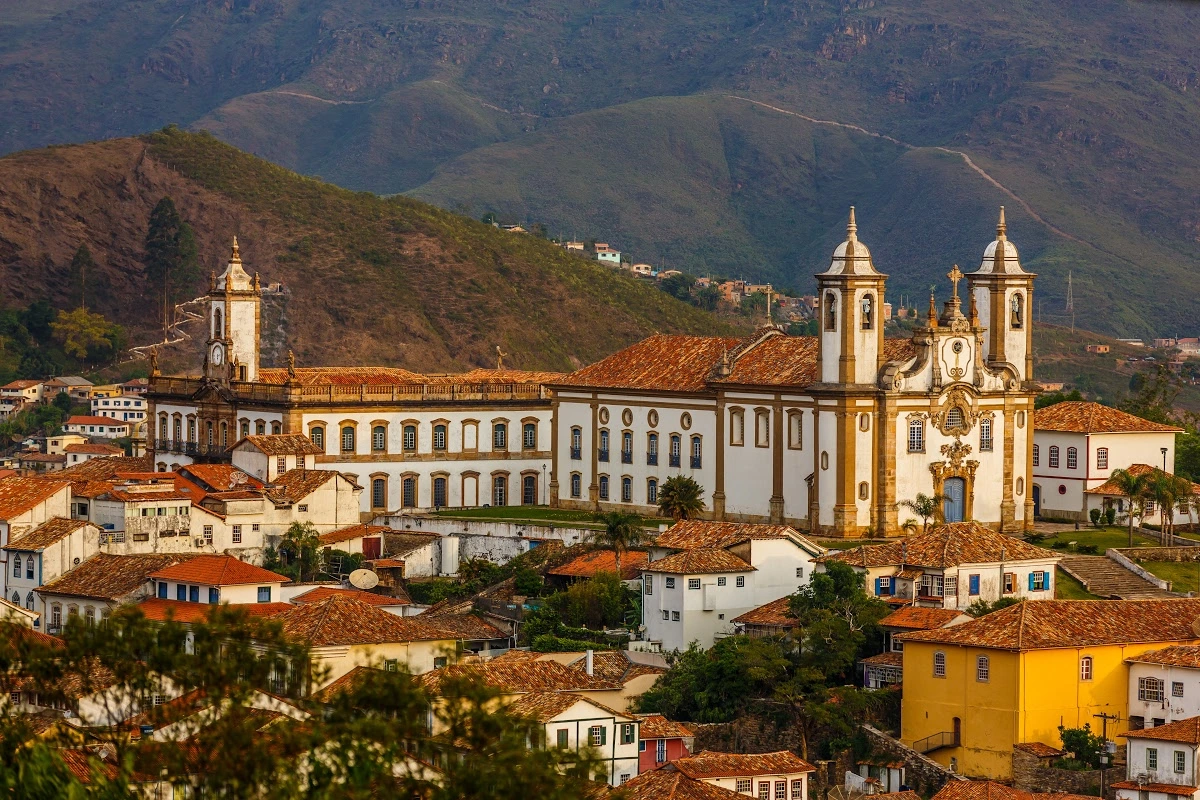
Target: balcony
[(674, 459), (626, 456), (197, 450), (697, 462), (652, 459), (936, 742), (602, 454), (576, 453)]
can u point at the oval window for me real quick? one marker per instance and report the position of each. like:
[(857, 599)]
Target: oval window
[(685, 421)]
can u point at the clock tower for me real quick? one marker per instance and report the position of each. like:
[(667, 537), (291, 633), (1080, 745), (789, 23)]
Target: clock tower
[(234, 298)]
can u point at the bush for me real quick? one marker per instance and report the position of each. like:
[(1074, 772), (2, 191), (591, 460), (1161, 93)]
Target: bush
[(982, 607), (556, 644), (1110, 515), (1060, 545), (527, 581), (599, 602), (1095, 515), (1086, 746), (1036, 538), (1087, 549)]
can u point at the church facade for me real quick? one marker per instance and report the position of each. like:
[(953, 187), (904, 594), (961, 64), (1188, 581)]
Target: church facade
[(830, 433)]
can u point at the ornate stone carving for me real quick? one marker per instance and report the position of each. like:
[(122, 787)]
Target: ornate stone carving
[(955, 453), (956, 424)]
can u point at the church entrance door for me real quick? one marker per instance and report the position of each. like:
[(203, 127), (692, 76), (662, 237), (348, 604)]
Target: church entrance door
[(953, 507), (1037, 501)]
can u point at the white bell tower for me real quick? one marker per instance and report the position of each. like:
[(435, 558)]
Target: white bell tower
[(234, 300), (1003, 292)]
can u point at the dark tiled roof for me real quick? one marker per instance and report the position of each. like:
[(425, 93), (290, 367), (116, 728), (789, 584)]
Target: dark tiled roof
[(283, 444), (1110, 487), (945, 546), (777, 613), (656, 726), (1077, 416), (340, 620), (464, 627), (1039, 749), (1186, 731), (319, 593), (711, 764), (296, 484), (519, 676), (668, 783), (221, 477), (990, 790), (52, 530), (352, 532), (690, 534), (103, 469), (888, 659), (545, 706), (109, 577), (588, 564), (703, 561), (343, 376), (1160, 788), (18, 494)]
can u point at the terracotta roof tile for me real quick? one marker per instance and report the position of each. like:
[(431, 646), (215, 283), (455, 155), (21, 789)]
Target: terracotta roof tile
[(88, 420), (690, 534), (1178, 656), (703, 561), (990, 790), (93, 449), (668, 783), (296, 484), (351, 680), (660, 362), (908, 794), (159, 610), (711, 764), (615, 666), (1077, 416), (945, 546), (463, 626), (109, 577), (218, 570), (544, 706), (84, 763), (398, 544), (916, 618), (777, 613), (588, 564), (888, 659), (220, 477), (1044, 624), (341, 620), (106, 468), (52, 530), (1186, 731), (519, 676), (498, 376), (1159, 788), (352, 532), (18, 494), (1039, 749), (282, 444), (343, 376), (370, 598), (656, 726), (1109, 487)]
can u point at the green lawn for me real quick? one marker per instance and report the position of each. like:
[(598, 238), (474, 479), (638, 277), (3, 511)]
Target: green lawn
[(1103, 538), (1184, 577), (536, 515), (1068, 588)]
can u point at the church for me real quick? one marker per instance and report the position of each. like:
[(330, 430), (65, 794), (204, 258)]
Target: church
[(829, 434)]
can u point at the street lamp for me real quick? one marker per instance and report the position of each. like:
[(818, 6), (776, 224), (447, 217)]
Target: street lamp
[(544, 481), (1163, 450)]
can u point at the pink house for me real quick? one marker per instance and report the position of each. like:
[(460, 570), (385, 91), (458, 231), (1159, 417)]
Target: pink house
[(661, 740)]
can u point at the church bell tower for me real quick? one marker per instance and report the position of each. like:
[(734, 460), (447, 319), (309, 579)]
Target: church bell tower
[(234, 300)]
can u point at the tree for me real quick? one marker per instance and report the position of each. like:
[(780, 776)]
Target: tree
[(678, 286), (981, 608), (84, 335), (680, 497), (300, 551), (170, 260), (1172, 493), (1134, 488), (1050, 398), (1154, 395), (82, 266), (1087, 746), (621, 532), (926, 507), (838, 620), (63, 402), (37, 319), (596, 603)]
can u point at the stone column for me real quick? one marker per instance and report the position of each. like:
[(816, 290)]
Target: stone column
[(554, 451), (777, 463), (718, 495)]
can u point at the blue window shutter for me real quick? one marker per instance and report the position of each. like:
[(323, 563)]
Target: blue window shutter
[(878, 587), (1031, 580), (974, 584)]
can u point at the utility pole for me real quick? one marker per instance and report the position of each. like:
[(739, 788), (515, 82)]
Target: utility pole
[(1070, 301), (1104, 756)]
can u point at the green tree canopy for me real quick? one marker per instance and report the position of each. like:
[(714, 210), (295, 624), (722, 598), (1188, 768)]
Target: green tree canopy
[(170, 263), (82, 268), (680, 497), (86, 336)]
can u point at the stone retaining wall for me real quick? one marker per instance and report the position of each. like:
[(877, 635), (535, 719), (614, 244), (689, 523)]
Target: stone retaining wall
[(1033, 774), (921, 772), (1182, 554)]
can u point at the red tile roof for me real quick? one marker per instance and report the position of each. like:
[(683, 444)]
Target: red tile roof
[(465, 627), (588, 564), (990, 790), (703, 561), (160, 610), (690, 534), (776, 614), (1161, 788), (352, 532), (52, 530), (945, 546), (660, 362), (218, 570), (711, 764), (1186, 731), (516, 676), (108, 577), (1182, 655), (221, 477), (94, 449), (341, 620), (915, 618), (667, 783), (282, 444), (656, 726), (297, 484), (1039, 749), (18, 495), (545, 706), (106, 468), (370, 598), (87, 420), (342, 376), (497, 376), (888, 659), (1110, 487), (1077, 416), (1046, 624)]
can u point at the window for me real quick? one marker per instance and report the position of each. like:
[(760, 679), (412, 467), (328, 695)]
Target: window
[(764, 790), (214, 595), (439, 493), (1180, 761), (676, 447), (576, 443), (602, 450), (596, 735), (1017, 312), (797, 789), (951, 586), (985, 435), (675, 616), (939, 664), (830, 311), (660, 751), (1010, 582), (1037, 455), (916, 436), (529, 490), (562, 737), (1038, 581), (603, 487), (208, 534), (276, 428), (55, 615), (409, 438), (1150, 690), (237, 534), (317, 434), (666, 615), (303, 507), (281, 464), (1176, 688), (628, 733), (652, 492), (868, 317), (864, 491), (626, 447), (439, 437), (500, 491), (378, 493), (762, 428), (780, 790), (626, 490), (954, 418), (499, 436), (245, 427), (670, 583), (740, 582), (652, 449), (1085, 668), (982, 669), (162, 590), (576, 484), (193, 594), (693, 583), (1102, 458), (529, 436), (17, 567), (1054, 456), (737, 427), (972, 585), (264, 594), (648, 583), (348, 439), (795, 430), (883, 586), (697, 450), (1151, 758), (378, 438), (743, 785), (408, 492), (1072, 458), (721, 580)]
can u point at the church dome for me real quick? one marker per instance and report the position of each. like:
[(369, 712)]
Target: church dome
[(851, 257), (234, 276), (1000, 257)]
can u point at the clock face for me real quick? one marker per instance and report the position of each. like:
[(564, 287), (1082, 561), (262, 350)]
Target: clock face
[(218, 354)]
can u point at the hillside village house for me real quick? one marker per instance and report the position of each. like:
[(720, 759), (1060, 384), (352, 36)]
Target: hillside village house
[(26, 503), (634, 672), (972, 691), (824, 433), (1164, 686), (780, 774), (1161, 762), (952, 566), (573, 722), (100, 427), (1110, 495), (126, 408), (887, 668), (30, 391), (269, 456), (420, 553), (85, 451), (44, 553), (412, 441), (74, 386), (217, 579), (1077, 445), (661, 740), (701, 575), (100, 584)]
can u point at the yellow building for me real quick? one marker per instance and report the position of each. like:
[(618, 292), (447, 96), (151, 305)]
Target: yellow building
[(974, 690)]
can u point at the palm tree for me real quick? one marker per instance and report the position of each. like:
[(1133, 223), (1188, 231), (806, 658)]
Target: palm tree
[(1171, 492), (680, 497), (1134, 487), (925, 506), (621, 532)]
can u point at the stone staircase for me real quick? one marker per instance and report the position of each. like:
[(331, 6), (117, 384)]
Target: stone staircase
[(1106, 578)]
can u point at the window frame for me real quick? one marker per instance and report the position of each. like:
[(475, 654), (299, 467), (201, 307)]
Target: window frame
[(795, 423), (737, 426), (1101, 458), (1053, 460), (983, 669), (379, 437), (916, 435), (348, 435), (1086, 666), (986, 440), (939, 664), (1072, 458)]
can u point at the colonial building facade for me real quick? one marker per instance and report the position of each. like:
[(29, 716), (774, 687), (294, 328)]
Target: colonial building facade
[(410, 440), (827, 433)]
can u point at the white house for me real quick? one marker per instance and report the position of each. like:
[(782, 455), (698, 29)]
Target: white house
[(268, 456), (29, 391), (781, 774), (1164, 686), (1161, 762), (99, 584), (573, 722), (46, 552), (125, 407), (702, 575), (26, 503), (100, 427), (86, 451), (1110, 495), (217, 579), (1077, 445), (953, 566)]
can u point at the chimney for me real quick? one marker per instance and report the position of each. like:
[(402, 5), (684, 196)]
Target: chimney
[(589, 666)]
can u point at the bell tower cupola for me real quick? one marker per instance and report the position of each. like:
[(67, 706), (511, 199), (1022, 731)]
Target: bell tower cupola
[(850, 332), (234, 299), (1003, 294)]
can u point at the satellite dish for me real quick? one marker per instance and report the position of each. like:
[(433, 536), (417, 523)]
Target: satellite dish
[(1196, 626), (364, 579)]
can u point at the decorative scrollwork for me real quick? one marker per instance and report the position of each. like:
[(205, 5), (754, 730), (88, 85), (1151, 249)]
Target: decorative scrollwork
[(955, 453)]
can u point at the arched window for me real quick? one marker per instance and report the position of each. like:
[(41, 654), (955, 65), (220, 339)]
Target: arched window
[(29, 568), (72, 610), (500, 491), (89, 615), (626, 490), (410, 438), (602, 450), (529, 490), (652, 449), (178, 429), (1072, 457), (29, 601), (1102, 458), (762, 428), (627, 447), (576, 443), (529, 436), (830, 311), (1054, 456), (439, 437), (276, 428), (652, 491), (939, 664), (224, 434), (218, 324), (697, 452), (985, 435), (1085, 668), (439, 493), (163, 430), (191, 429), (500, 437), (16, 598), (1017, 311), (55, 615), (317, 434), (954, 417), (916, 435), (408, 492), (737, 427), (1037, 455), (378, 493), (603, 487), (260, 427), (676, 449), (576, 484), (245, 428), (864, 491), (17, 568), (378, 439), (982, 669), (347, 438), (868, 312)]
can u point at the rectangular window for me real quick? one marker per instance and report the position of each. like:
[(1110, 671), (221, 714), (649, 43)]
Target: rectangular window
[(670, 583), (666, 615), (1180, 761), (740, 582), (780, 790), (1037, 581), (660, 751), (916, 436), (628, 733), (743, 785), (1176, 688), (648, 583), (1151, 758), (721, 581), (939, 664), (973, 585), (562, 737), (764, 790), (280, 465), (596, 735), (499, 437), (950, 585), (883, 586), (264, 594), (1072, 458), (797, 789), (208, 534), (693, 583), (1010, 582), (194, 594), (1102, 458), (254, 528), (982, 669), (1150, 690), (675, 616), (181, 592), (237, 534)]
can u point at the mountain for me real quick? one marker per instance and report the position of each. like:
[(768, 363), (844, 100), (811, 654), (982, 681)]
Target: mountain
[(1082, 110), (367, 280)]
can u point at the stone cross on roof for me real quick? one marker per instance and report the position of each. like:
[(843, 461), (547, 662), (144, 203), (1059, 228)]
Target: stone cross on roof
[(955, 275)]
